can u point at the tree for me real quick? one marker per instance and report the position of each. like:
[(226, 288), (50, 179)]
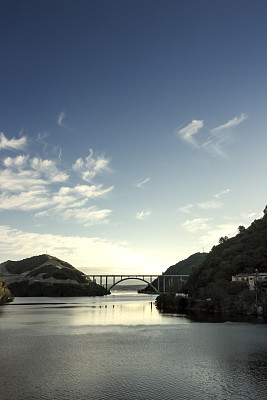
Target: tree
[(241, 229), (223, 239)]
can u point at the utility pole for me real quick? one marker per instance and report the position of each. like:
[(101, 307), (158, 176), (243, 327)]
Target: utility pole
[(256, 287)]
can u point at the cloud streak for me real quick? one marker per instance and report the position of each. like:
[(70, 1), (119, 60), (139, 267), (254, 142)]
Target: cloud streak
[(230, 124), (219, 136), (189, 130), (140, 185), (219, 195), (206, 205)]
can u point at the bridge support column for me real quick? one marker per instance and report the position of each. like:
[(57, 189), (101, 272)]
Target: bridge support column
[(164, 284), (106, 282), (158, 284)]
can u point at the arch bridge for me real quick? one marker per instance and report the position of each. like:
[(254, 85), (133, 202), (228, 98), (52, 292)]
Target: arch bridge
[(158, 283)]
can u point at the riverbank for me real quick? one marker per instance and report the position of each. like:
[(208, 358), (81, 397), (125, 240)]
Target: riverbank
[(169, 302), (46, 289)]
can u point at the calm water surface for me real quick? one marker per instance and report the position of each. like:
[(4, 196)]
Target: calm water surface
[(121, 347)]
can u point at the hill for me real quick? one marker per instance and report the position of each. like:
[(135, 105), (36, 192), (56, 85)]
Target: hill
[(210, 286), (45, 275), (184, 267), (244, 253)]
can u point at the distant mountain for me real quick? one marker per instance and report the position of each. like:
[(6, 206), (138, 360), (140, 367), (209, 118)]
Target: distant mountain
[(45, 275), (184, 267)]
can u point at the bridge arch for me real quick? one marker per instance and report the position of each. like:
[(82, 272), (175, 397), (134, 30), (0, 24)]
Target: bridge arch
[(135, 278)]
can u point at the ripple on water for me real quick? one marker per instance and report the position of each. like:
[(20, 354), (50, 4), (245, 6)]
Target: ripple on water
[(132, 360)]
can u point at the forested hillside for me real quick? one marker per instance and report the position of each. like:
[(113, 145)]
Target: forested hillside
[(210, 286), (245, 252), (185, 267)]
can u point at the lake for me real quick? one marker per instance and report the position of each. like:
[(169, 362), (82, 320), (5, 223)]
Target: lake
[(121, 347)]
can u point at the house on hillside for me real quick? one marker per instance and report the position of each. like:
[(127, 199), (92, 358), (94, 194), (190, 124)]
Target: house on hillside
[(252, 280)]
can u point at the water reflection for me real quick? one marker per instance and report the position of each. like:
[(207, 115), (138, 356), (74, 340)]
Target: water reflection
[(121, 347)]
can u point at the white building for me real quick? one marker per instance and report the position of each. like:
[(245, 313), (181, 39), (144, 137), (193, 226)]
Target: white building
[(252, 279)]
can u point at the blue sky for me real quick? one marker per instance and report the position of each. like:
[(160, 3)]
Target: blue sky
[(132, 133)]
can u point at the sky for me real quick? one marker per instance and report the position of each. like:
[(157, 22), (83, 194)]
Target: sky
[(132, 133)]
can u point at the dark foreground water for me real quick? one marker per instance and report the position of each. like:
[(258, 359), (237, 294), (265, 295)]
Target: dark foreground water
[(120, 347)]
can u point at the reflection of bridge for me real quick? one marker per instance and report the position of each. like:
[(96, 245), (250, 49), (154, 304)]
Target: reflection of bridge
[(109, 281)]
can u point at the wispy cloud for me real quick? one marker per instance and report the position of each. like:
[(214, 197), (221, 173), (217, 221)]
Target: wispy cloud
[(187, 209), (142, 215), (189, 130), (214, 146), (12, 144), (61, 118), (87, 169), (23, 173), (141, 184), (86, 216), (197, 224), (233, 122), (217, 139), (25, 201), (212, 236), (220, 135), (68, 203), (212, 204), (22, 180), (219, 195), (206, 205), (48, 169)]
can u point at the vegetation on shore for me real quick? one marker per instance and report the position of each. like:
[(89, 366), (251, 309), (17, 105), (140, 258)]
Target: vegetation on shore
[(4, 292), (43, 289), (210, 286)]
